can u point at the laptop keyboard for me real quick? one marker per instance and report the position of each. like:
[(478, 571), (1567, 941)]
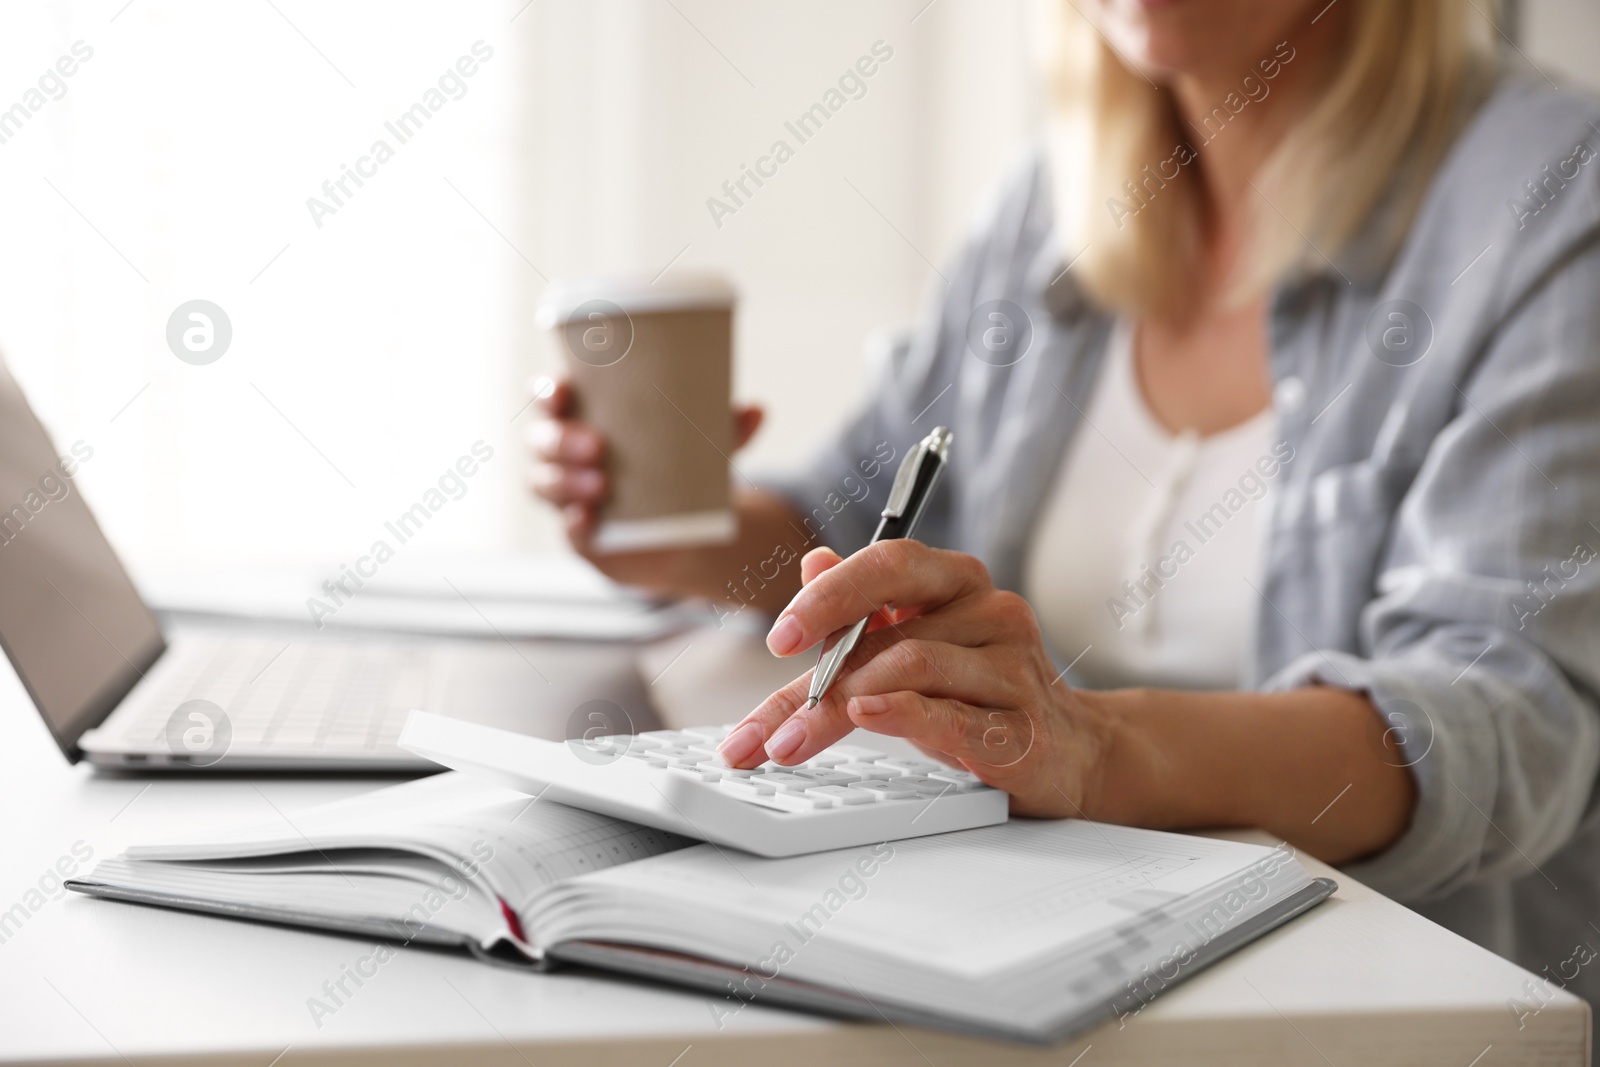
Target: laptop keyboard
[(283, 695)]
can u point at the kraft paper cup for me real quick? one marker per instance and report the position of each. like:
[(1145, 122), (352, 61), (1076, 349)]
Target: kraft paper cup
[(651, 364)]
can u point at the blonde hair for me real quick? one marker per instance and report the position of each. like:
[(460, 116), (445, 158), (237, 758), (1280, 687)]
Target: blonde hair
[(1390, 110)]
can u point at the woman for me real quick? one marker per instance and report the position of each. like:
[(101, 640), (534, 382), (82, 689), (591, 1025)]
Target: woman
[(1330, 250)]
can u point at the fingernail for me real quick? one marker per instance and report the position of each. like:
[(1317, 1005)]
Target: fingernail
[(544, 435), (788, 738), (868, 705), (741, 744), (785, 637)]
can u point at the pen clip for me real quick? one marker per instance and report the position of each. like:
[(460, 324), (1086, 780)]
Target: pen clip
[(936, 444)]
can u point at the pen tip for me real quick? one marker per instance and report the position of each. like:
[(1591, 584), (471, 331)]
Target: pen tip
[(811, 702)]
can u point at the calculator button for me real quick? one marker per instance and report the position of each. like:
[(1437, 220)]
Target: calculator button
[(964, 781), (670, 737), (857, 754), (910, 766), (823, 777), (746, 788), (786, 782), (799, 801), (841, 794), (885, 790), (927, 787)]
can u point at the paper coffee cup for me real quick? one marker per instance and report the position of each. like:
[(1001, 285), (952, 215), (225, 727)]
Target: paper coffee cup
[(651, 364)]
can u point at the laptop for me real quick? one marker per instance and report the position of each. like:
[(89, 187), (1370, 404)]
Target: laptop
[(117, 690)]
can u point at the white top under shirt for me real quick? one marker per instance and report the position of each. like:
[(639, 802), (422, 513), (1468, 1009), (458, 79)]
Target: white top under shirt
[(1174, 517)]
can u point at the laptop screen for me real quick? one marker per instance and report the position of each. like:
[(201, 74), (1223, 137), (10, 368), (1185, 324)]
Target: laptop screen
[(71, 620)]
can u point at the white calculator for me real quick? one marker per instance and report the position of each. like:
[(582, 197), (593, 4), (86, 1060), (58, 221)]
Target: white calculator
[(673, 780)]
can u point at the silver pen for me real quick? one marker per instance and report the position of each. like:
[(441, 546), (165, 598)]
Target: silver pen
[(913, 484)]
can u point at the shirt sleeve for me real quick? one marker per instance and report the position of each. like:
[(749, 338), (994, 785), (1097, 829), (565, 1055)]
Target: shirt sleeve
[(1481, 649)]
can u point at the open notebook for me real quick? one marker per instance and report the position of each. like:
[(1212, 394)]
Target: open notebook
[(1028, 930)]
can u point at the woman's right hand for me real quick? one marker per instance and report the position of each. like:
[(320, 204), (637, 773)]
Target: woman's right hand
[(567, 469)]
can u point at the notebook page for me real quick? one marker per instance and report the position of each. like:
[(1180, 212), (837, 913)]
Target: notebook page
[(968, 904), (403, 900), (508, 842)]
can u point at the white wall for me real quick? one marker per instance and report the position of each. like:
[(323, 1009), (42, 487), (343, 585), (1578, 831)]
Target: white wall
[(1564, 37), (365, 358)]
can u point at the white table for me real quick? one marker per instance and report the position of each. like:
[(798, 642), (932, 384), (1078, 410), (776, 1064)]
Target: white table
[(1361, 980)]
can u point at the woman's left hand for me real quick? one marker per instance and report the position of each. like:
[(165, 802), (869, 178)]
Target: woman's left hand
[(954, 664)]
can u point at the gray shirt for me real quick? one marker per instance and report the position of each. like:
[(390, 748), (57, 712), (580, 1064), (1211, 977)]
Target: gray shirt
[(1432, 541)]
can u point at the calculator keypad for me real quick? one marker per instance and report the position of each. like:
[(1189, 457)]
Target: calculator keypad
[(841, 776)]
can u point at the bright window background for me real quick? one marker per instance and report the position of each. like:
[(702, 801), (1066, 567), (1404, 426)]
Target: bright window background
[(366, 355), (369, 353)]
